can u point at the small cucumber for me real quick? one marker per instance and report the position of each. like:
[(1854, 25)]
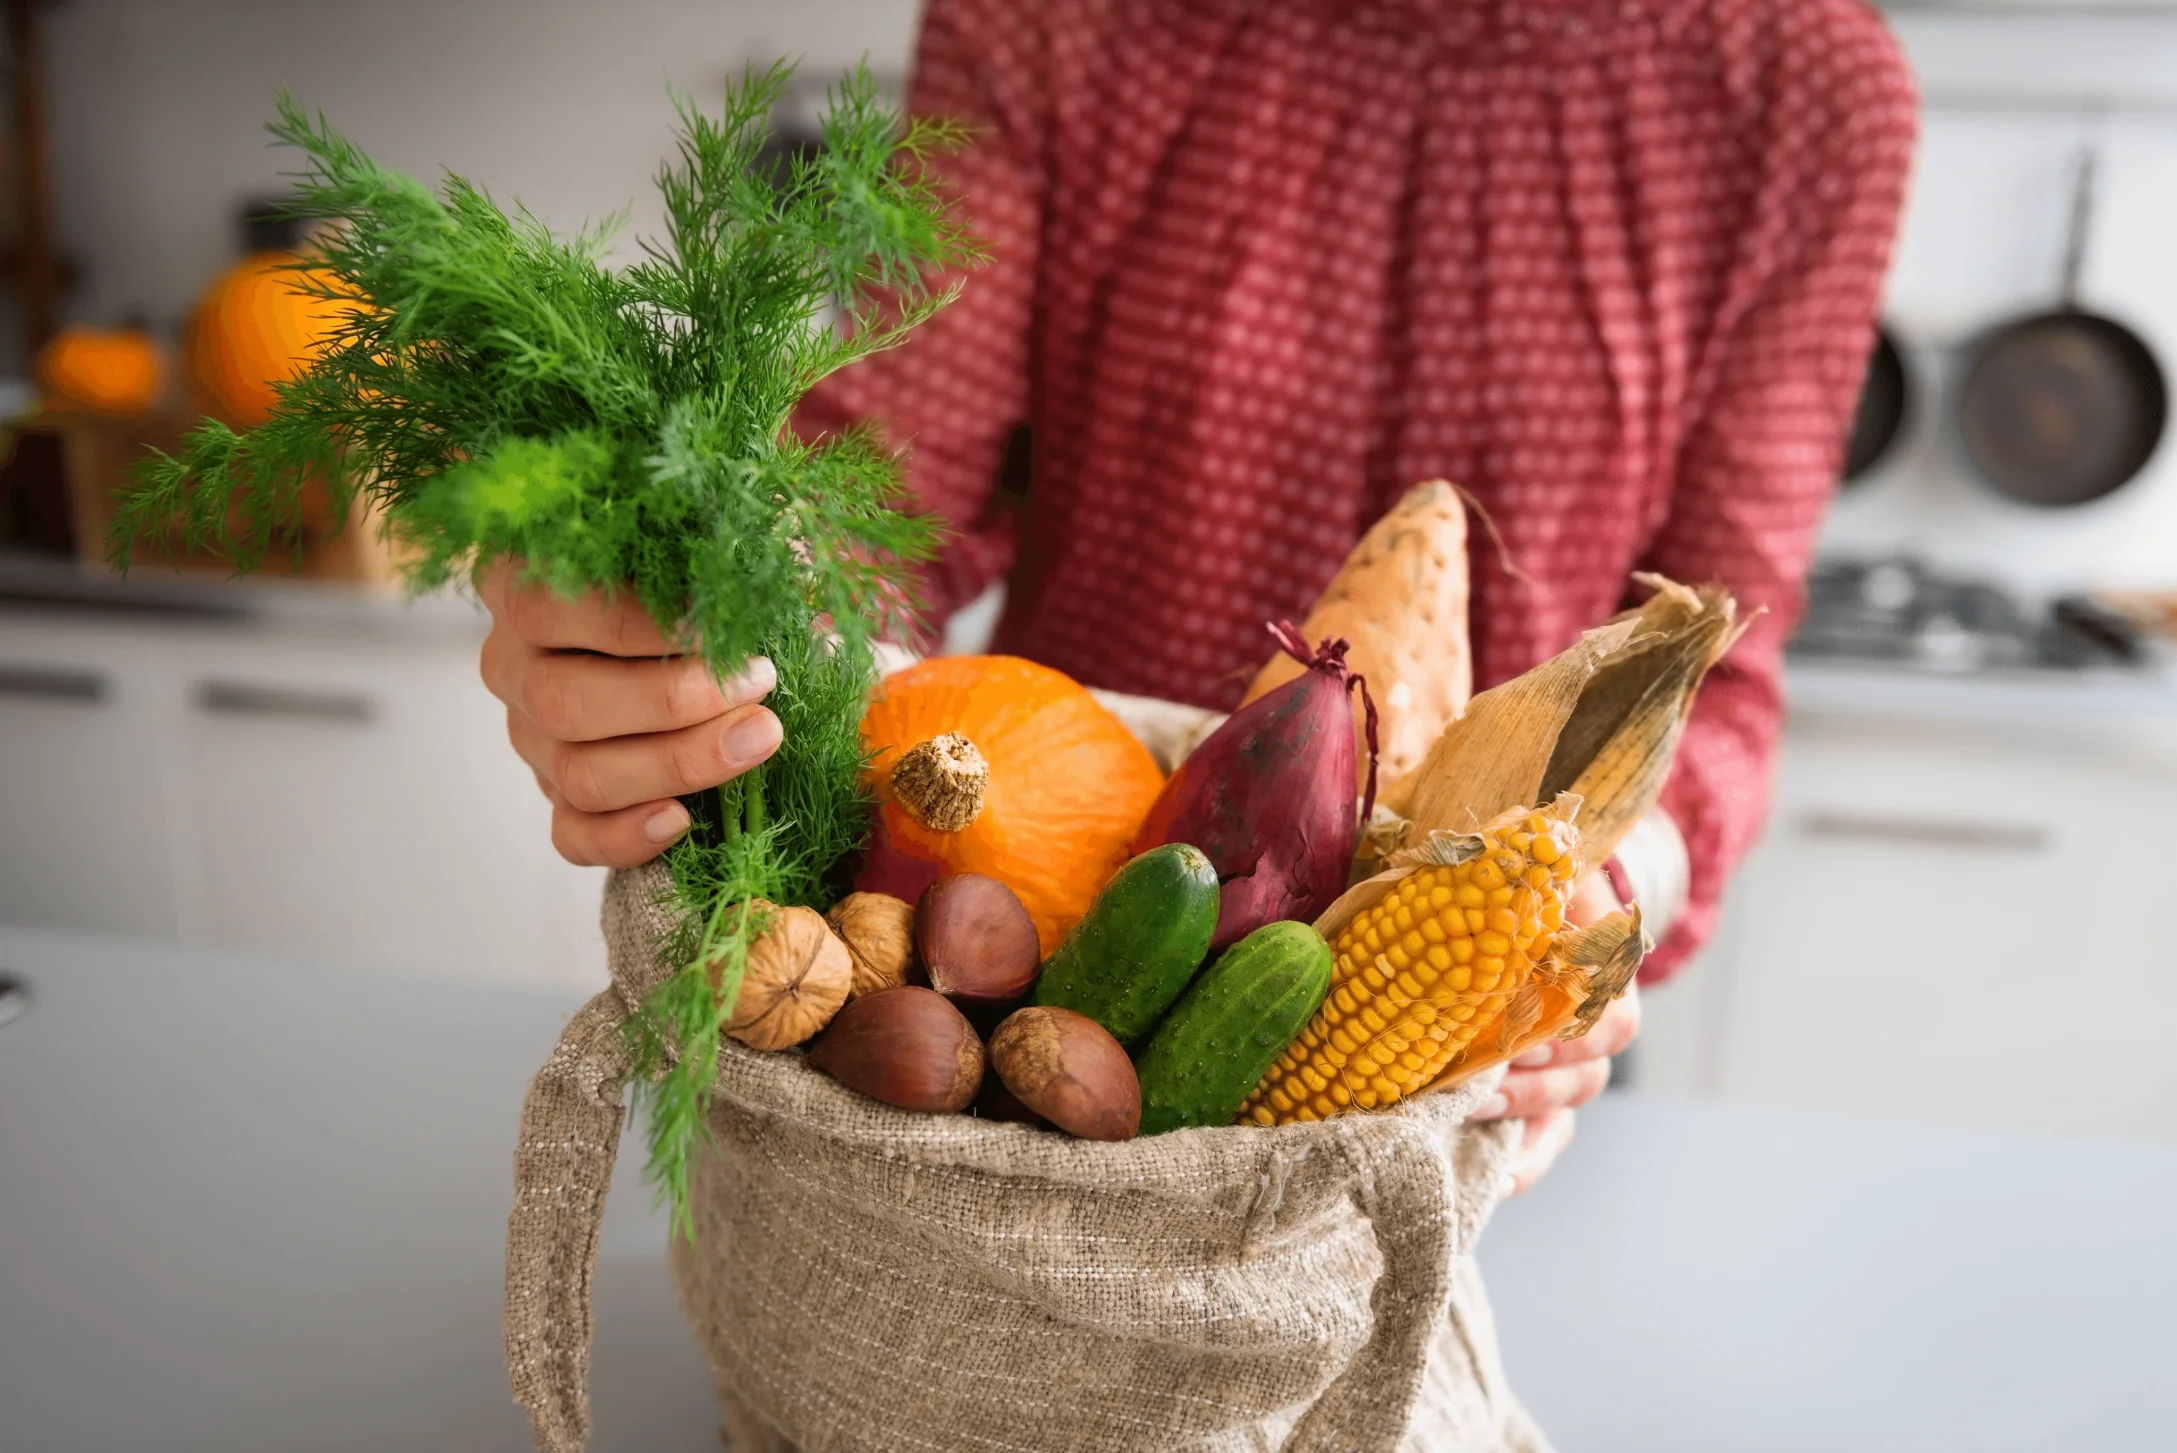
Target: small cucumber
[(1138, 945), (1211, 1051)]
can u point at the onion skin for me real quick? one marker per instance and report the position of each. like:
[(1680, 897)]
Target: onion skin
[(1268, 797)]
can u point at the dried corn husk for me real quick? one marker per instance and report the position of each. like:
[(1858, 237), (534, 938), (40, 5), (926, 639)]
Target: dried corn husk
[(1601, 720), (1494, 757), (1615, 749)]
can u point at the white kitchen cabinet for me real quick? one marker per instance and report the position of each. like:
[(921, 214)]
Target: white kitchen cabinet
[(84, 835), (357, 800), (1950, 921), (311, 779)]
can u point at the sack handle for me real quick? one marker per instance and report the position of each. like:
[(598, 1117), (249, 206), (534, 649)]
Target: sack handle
[(1403, 1186), (570, 1136)]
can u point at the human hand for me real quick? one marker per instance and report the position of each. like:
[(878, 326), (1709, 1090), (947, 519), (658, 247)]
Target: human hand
[(614, 723), (1547, 1083)]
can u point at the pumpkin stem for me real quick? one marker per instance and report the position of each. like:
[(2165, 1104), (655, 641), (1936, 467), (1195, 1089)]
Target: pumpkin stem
[(941, 782)]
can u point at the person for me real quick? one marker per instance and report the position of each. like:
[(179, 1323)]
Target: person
[(1613, 266)]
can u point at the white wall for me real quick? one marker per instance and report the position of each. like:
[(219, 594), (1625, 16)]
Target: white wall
[(2010, 102), (158, 105)]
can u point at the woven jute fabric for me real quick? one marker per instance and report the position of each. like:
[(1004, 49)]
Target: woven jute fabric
[(866, 1279)]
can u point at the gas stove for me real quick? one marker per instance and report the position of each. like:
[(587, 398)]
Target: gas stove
[(1904, 612)]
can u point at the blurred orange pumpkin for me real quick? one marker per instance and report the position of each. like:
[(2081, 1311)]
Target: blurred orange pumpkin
[(253, 329), (101, 370)]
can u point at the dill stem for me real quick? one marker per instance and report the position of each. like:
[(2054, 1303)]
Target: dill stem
[(729, 810), (752, 799)]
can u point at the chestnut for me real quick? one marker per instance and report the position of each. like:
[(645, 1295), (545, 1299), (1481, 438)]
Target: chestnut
[(907, 1047), (977, 943), (1067, 1068)]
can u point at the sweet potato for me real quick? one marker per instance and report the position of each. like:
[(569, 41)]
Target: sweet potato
[(1400, 603)]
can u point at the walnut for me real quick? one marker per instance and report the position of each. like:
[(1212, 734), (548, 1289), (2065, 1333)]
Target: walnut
[(879, 931), (798, 976)]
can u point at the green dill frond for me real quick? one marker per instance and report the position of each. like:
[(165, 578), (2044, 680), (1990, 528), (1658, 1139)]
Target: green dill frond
[(499, 393)]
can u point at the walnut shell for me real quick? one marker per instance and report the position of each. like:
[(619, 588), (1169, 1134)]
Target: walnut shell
[(798, 976), (879, 932)]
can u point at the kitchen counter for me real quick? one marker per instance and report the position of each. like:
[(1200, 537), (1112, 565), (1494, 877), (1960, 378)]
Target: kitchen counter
[(1698, 1277), (1816, 687), (41, 587), (1821, 691), (256, 1204)]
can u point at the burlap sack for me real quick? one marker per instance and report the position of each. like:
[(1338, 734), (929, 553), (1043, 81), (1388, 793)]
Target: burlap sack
[(866, 1279)]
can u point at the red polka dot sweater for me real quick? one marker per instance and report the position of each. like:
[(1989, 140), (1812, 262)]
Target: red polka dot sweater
[(1260, 265)]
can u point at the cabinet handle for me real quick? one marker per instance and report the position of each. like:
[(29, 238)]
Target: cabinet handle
[(239, 698), (14, 997), (1991, 837), (53, 683)]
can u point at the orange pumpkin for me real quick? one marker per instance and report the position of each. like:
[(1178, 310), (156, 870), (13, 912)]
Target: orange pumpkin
[(254, 329), (101, 371), (1063, 784)]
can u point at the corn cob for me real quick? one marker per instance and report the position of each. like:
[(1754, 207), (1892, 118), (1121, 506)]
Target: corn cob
[(1425, 975)]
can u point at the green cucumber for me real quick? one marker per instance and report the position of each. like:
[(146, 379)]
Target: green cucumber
[(1211, 1051), (1138, 945)]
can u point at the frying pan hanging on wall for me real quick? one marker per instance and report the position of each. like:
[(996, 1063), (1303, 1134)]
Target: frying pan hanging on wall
[(2065, 406), (1884, 400)]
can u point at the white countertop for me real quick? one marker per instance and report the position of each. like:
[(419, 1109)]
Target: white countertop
[(260, 1206), (151, 596), (1815, 688), (1821, 689), (1698, 1277)]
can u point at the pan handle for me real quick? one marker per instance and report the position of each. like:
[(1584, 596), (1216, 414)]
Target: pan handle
[(2082, 216)]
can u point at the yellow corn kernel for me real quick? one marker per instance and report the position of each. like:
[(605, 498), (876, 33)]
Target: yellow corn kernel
[(1424, 975)]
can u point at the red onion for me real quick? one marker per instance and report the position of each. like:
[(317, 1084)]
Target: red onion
[(1269, 796)]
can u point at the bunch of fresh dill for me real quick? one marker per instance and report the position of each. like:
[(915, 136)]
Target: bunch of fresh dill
[(502, 394)]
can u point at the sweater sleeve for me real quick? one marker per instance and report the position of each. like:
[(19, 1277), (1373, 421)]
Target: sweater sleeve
[(951, 396), (1760, 459)]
